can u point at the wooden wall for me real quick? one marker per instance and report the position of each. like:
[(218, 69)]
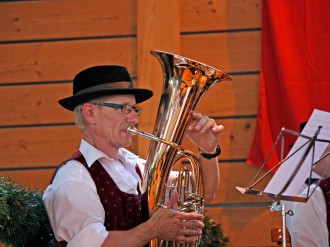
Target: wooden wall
[(43, 44)]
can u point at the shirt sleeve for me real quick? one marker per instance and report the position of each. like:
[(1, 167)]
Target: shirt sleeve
[(309, 222), (79, 217), (92, 235)]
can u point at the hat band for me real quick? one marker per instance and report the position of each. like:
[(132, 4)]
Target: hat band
[(112, 85)]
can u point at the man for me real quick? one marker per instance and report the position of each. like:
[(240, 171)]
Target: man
[(94, 198), (309, 224)]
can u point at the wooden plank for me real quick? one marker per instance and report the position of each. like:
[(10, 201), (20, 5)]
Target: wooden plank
[(60, 61), (205, 15), (246, 226), (229, 52), (32, 179), (241, 175), (235, 141), (52, 61), (162, 20), (232, 98), (38, 146), (36, 20), (34, 104), (38, 104)]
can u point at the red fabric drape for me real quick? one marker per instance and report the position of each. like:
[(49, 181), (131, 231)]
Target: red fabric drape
[(295, 70)]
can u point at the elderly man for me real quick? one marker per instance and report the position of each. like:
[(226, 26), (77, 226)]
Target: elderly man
[(94, 197)]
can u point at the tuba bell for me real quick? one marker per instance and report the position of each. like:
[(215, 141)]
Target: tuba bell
[(185, 82)]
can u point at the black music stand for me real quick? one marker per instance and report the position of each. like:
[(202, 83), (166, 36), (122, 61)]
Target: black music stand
[(293, 170)]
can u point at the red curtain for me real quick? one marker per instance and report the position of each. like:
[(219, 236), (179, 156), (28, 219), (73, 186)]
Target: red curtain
[(295, 70)]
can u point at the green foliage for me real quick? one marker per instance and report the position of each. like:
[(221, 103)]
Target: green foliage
[(212, 234), (23, 217)]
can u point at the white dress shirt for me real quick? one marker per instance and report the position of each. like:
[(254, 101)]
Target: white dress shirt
[(73, 205), (308, 226)]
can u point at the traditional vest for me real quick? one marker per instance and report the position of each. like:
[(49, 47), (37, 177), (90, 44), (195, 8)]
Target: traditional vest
[(325, 186), (123, 211)]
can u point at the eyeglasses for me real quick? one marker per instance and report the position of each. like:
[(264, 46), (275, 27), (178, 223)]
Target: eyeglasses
[(125, 108)]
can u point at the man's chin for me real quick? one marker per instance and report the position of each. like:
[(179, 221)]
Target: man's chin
[(126, 143)]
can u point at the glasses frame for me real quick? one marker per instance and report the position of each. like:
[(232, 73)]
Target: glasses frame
[(122, 107)]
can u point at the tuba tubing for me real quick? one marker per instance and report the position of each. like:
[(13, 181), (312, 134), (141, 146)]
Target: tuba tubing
[(181, 153)]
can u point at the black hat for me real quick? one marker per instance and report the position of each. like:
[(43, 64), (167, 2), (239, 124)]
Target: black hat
[(103, 80)]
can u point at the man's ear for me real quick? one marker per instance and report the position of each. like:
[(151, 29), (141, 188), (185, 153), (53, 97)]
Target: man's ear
[(89, 112)]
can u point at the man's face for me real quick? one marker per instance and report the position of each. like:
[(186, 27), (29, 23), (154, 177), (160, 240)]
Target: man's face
[(111, 124)]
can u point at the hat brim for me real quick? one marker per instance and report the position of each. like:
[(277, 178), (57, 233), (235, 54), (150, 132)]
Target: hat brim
[(70, 103)]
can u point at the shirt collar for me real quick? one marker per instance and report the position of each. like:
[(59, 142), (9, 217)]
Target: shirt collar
[(92, 154)]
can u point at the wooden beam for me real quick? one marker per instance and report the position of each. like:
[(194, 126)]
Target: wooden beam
[(157, 29)]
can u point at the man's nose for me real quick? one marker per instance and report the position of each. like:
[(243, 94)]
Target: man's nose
[(133, 117)]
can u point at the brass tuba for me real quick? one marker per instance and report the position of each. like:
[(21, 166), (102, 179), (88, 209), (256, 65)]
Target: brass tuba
[(185, 82)]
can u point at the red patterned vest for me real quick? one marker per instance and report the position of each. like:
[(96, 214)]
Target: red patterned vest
[(123, 211)]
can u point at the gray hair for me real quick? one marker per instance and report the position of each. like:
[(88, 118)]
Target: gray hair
[(79, 117)]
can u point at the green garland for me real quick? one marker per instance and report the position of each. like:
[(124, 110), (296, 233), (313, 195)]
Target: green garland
[(23, 218), (24, 221), (212, 234)]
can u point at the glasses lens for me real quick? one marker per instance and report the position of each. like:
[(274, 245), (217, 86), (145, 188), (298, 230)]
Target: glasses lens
[(126, 109), (137, 110)]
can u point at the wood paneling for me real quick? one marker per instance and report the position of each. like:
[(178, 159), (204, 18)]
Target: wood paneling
[(33, 179), (234, 175), (38, 103), (58, 61), (34, 104), (36, 20), (206, 15), (232, 98), (161, 19), (247, 226), (229, 52), (235, 140), (37, 146)]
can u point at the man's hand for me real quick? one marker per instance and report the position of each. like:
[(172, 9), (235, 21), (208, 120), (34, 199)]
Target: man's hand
[(204, 132), (178, 226)]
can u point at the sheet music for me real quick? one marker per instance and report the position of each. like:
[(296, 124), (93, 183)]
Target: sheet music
[(283, 174)]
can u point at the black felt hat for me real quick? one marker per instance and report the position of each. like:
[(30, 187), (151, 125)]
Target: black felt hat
[(103, 80)]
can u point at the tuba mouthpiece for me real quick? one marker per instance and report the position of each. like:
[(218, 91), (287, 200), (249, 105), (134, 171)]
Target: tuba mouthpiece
[(131, 130)]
